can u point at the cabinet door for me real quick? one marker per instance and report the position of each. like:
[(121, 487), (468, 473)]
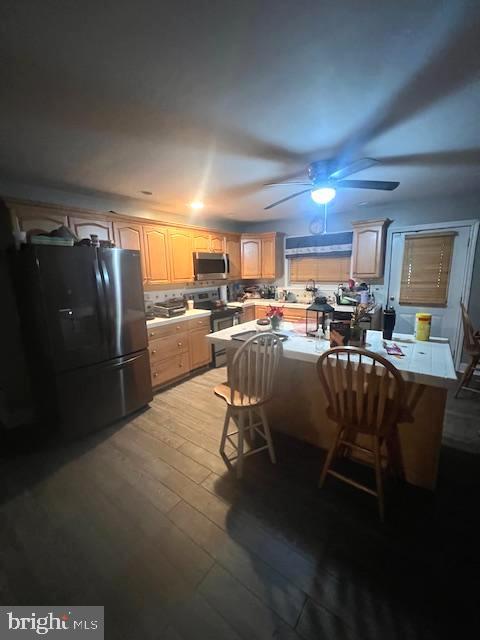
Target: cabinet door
[(232, 248), (260, 312), (251, 258), (201, 241), (129, 235), (368, 250), (217, 243), (155, 240), (181, 255), (200, 349), (268, 257), (28, 218), (85, 227)]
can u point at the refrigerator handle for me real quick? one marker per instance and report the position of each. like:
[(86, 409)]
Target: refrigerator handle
[(101, 300), (108, 297)]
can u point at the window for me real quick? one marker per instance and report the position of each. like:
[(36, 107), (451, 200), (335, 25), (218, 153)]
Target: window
[(426, 266), (319, 268)]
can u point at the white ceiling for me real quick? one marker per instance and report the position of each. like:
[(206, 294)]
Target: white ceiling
[(211, 99)]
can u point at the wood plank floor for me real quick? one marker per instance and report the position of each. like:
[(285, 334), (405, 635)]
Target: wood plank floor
[(144, 519)]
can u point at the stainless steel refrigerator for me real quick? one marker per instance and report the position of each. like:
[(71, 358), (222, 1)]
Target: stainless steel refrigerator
[(83, 318)]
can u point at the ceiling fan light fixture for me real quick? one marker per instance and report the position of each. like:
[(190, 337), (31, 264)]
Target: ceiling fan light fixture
[(323, 195)]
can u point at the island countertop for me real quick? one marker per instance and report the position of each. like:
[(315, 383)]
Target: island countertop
[(428, 363)]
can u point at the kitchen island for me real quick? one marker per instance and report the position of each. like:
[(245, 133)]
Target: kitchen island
[(299, 407)]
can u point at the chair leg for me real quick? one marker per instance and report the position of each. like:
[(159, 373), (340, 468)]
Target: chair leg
[(250, 425), (467, 374), (268, 437), (330, 456), (241, 433), (225, 431), (378, 478)]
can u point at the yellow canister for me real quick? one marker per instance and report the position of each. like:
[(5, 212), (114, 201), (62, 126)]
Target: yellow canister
[(423, 324)]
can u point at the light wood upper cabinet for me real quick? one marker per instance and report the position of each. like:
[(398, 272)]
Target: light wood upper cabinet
[(217, 243), (129, 235), (368, 251), (261, 256), (251, 257), (181, 254), (232, 248), (157, 267), (85, 227), (32, 217), (201, 241), (268, 256)]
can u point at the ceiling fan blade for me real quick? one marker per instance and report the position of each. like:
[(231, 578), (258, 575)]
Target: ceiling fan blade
[(294, 195), (353, 167), (282, 184), (382, 185)]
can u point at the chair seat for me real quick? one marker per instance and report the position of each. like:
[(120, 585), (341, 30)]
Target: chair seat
[(224, 391)]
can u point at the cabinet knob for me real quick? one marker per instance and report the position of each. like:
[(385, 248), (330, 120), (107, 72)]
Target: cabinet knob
[(155, 375), (179, 344), (180, 365), (151, 334), (154, 351)]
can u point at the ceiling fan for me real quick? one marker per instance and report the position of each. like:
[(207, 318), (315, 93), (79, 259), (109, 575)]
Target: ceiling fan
[(325, 178)]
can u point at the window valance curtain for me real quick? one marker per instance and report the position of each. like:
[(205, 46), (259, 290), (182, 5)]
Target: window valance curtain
[(331, 245)]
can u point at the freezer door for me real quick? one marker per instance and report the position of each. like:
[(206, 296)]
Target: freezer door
[(67, 303), (91, 398), (124, 302)]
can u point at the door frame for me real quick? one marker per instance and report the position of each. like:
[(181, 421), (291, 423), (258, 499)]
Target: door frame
[(467, 273)]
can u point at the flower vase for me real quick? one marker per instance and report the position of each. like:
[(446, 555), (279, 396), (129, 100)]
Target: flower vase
[(275, 322), (357, 336)]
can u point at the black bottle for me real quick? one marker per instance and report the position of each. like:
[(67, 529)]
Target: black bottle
[(388, 322)]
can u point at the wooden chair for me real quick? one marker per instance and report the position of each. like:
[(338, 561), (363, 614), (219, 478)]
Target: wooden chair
[(471, 344), (250, 387), (365, 395)]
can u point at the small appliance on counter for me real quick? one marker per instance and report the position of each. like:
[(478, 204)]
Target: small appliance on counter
[(169, 308)]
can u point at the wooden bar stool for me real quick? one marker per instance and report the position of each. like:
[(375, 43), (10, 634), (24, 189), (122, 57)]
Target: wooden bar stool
[(250, 387), (365, 395), (471, 344)]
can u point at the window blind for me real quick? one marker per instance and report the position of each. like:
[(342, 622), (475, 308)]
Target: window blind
[(320, 269), (426, 267)]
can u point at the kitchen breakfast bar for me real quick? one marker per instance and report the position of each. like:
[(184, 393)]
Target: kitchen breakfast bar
[(299, 405)]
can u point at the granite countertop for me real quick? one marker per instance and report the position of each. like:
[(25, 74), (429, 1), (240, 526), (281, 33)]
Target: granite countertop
[(428, 363), (188, 315)]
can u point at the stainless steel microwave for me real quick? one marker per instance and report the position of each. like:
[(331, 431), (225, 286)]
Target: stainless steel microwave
[(210, 266)]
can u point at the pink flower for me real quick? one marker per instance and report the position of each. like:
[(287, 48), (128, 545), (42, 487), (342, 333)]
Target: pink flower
[(274, 312)]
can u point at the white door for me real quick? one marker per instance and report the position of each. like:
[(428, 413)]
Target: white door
[(446, 320)]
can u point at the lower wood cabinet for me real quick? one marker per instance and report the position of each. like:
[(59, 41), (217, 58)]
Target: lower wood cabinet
[(177, 349), (248, 314)]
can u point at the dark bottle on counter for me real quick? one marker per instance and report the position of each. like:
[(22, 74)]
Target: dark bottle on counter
[(388, 322)]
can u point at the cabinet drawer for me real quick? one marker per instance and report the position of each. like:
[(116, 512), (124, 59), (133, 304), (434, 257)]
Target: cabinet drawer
[(199, 323), (167, 347), (296, 314), (168, 330), (170, 369)]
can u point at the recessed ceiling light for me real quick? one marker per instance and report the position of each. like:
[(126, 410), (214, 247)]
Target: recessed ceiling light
[(196, 204), (146, 193)]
